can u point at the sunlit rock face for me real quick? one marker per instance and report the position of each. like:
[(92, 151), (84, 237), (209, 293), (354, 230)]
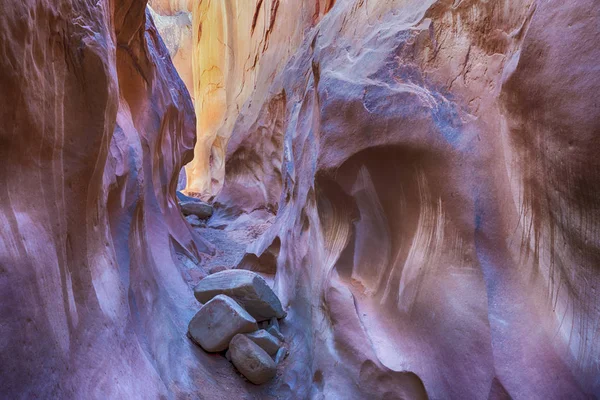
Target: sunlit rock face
[(239, 46), (171, 7), (433, 166), (174, 23)]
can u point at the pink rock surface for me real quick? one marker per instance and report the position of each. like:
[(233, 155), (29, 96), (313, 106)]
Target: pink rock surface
[(433, 166), (94, 302), (239, 46)]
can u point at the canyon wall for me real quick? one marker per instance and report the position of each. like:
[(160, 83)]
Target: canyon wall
[(429, 169), (171, 7), (97, 125), (433, 169), (239, 46), (173, 19)]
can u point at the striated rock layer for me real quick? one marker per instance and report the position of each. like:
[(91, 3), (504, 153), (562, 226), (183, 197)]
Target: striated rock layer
[(433, 166), (96, 127), (171, 7), (238, 47)]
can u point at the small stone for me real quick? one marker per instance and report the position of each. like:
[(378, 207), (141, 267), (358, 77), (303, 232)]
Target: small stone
[(218, 321), (249, 289), (273, 322), (266, 341), (228, 355), (215, 269), (199, 208), (281, 355), (275, 332), (252, 361), (194, 220)]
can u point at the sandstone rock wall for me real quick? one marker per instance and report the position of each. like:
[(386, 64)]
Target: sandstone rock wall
[(174, 23), (432, 165), (171, 7), (239, 46), (97, 125)]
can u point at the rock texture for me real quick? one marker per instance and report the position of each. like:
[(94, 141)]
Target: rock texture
[(173, 19), (194, 220), (432, 165), (218, 321), (273, 330), (171, 7), (247, 288), (94, 252), (239, 46), (191, 206), (433, 168)]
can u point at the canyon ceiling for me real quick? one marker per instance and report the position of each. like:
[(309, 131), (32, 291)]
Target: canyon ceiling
[(420, 181)]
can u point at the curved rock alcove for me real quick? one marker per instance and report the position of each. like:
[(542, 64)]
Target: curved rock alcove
[(415, 182)]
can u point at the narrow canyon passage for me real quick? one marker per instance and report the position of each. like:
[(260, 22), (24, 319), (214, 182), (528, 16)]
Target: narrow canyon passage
[(307, 199)]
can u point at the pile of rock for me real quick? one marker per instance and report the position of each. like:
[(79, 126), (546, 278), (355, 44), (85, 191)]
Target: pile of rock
[(236, 302)]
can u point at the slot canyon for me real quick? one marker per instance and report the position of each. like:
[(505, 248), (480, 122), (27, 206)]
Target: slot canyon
[(416, 181)]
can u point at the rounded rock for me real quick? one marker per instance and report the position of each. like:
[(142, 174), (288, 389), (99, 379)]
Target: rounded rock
[(252, 361), (218, 321)]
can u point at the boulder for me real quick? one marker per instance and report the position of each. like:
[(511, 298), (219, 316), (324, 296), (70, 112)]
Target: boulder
[(267, 324), (198, 208), (266, 341), (218, 321), (247, 288), (252, 361)]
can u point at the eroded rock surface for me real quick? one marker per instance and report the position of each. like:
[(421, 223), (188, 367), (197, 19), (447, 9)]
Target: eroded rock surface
[(239, 46), (174, 21), (432, 167)]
